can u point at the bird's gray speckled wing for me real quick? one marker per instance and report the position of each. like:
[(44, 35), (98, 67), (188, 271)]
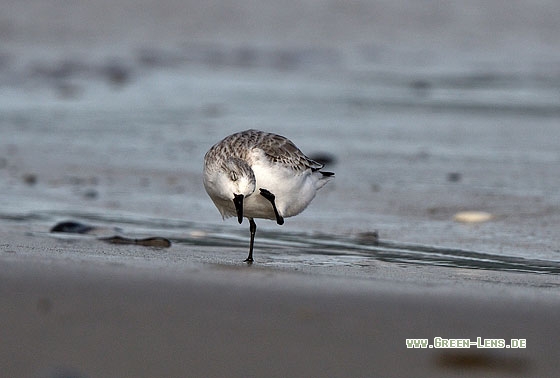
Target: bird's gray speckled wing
[(281, 150)]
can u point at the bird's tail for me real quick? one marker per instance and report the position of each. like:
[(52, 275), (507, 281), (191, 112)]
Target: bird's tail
[(323, 179)]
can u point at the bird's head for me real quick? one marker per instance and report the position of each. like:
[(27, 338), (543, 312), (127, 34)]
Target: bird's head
[(237, 182)]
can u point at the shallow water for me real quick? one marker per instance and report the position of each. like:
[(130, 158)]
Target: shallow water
[(360, 252), (415, 136)]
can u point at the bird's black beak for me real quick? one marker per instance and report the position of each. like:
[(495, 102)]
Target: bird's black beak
[(238, 202)]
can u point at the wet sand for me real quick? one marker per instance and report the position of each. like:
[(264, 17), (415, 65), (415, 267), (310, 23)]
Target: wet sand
[(73, 308)]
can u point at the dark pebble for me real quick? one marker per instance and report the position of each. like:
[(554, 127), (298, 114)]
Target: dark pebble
[(453, 177), (154, 242), (91, 194), (30, 179), (72, 228), (158, 242), (116, 72), (421, 85)]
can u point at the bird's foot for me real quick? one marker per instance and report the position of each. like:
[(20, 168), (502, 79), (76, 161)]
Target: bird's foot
[(271, 197)]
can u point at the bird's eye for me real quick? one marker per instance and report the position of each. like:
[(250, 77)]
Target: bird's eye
[(233, 176)]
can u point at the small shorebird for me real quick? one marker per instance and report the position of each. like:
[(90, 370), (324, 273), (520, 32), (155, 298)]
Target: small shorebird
[(254, 174)]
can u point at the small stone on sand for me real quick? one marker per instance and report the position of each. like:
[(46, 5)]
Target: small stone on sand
[(472, 217), (157, 242), (72, 227)]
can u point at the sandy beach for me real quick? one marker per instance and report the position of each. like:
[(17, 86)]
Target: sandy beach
[(156, 315), (430, 117)]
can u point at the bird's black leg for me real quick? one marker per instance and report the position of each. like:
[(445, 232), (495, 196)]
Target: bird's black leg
[(253, 230), (269, 196)]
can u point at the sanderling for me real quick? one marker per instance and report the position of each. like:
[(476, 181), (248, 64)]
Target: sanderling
[(286, 179)]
